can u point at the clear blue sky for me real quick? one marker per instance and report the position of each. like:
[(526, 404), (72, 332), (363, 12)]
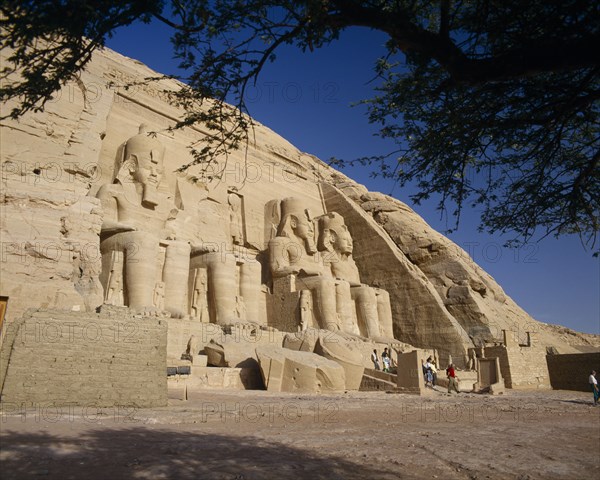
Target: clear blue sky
[(306, 99)]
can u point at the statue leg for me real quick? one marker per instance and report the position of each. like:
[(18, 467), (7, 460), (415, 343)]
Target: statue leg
[(366, 306), (250, 289), (384, 312), (324, 300), (175, 275), (140, 254), (345, 308), (222, 287)]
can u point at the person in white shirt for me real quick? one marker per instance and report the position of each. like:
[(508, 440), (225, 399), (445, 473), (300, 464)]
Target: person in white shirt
[(375, 360), (594, 386)]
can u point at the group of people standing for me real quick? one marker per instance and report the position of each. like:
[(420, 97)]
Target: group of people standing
[(386, 359), (430, 372), (430, 369)]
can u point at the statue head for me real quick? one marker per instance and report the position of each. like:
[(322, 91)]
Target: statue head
[(296, 221), (143, 164), (334, 234)]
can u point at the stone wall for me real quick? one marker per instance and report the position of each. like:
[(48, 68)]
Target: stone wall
[(522, 366), (105, 360), (571, 371), (410, 372)]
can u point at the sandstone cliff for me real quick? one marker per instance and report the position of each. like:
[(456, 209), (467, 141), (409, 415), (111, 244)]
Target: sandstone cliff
[(54, 163)]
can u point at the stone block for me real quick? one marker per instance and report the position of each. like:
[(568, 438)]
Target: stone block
[(231, 354), (343, 349), (285, 370), (410, 373)]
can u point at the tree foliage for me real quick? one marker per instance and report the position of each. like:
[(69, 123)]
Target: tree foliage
[(491, 103)]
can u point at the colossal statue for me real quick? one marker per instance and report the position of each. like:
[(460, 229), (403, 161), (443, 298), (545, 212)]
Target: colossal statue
[(373, 311), (137, 221), (293, 257)]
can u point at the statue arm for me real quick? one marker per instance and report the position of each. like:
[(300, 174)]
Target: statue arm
[(354, 275), (279, 259), (110, 222), (310, 272)]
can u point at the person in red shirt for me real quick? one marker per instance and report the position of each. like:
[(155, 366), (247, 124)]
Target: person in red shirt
[(452, 379)]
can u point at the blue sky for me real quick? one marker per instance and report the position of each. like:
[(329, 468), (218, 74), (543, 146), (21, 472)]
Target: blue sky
[(306, 98)]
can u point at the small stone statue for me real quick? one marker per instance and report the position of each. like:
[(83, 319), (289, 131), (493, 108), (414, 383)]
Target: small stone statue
[(159, 296), (235, 219)]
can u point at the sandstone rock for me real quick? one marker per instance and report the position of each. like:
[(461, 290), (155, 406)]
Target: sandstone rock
[(79, 216), (347, 355), (341, 348), (229, 353), (285, 370), (304, 341)]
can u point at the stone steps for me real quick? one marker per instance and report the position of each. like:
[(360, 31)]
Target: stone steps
[(373, 384), (388, 377)]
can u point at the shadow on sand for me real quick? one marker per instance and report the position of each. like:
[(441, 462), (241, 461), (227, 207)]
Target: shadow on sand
[(147, 453)]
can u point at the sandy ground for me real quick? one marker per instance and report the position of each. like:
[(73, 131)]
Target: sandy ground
[(260, 435)]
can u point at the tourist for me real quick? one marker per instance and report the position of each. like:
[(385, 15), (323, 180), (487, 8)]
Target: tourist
[(375, 360), (594, 386), (428, 373), (452, 379), (385, 358), (430, 365)]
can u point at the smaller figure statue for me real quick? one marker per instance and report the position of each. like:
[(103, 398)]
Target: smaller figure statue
[(240, 308), (114, 292), (472, 362), (235, 219), (159, 296), (199, 296), (193, 348), (305, 310)]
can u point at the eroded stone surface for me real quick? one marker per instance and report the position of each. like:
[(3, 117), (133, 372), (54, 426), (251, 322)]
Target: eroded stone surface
[(93, 213), (343, 349), (285, 370)]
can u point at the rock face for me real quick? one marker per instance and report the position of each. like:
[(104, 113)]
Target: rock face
[(93, 213)]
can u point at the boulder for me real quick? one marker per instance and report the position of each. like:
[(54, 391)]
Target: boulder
[(285, 370), (341, 348), (344, 353), (231, 354)]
